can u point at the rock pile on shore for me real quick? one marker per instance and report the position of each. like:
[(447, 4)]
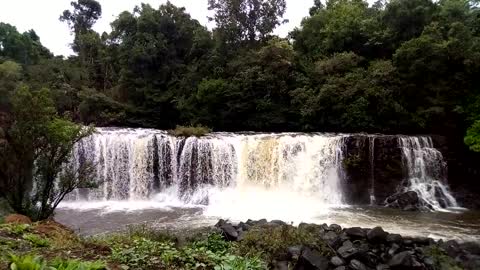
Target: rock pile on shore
[(361, 249)]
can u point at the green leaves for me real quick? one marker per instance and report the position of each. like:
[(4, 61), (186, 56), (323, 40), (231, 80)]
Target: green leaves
[(472, 139)]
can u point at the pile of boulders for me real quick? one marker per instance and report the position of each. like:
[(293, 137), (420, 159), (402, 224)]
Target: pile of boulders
[(364, 249)]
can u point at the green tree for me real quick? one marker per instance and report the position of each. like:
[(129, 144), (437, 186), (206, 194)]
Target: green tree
[(246, 20), (35, 172)]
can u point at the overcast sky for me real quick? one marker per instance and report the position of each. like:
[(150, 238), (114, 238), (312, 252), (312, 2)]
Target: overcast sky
[(42, 16)]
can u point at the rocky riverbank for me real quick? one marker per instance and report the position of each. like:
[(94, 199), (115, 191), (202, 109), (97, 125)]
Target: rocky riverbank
[(357, 248)]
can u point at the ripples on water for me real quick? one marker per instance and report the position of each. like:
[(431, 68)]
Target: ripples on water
[(102, 217)]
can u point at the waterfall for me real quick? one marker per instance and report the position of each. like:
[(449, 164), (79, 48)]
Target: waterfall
[(426, 172), (235, 169), (371, 150), (135, 164)]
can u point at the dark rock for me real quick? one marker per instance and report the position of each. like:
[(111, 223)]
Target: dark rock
[(261, 222), (407, 201), (348, 251), (355, 233), (471, 247), (394, 238), (422, 241), (341, 268), (337, 261), (408, 241), (393, 250), (471, 262), (402, 260), (281, 265), (244, 226), (357, 265), (312, 260), (220, 223), (452, 248), (229, 231), (250, 222), (335, 228), (294, 252), (382, 267), (377, 235), (279, 222), (325, 227), (332, 239)]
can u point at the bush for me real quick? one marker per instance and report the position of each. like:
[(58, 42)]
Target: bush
[(36, 240), (30, 262), (182, 131), (440, 259), (272, 242)]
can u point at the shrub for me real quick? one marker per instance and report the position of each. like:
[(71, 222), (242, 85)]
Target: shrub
[(30, 262), (182, 131), (272, 242), (36, 240), (440, 259), (27, 263)]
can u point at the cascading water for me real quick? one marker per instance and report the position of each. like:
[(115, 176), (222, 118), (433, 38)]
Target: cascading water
[(371, 150), (426, 172), (271, 173), (133, 164)]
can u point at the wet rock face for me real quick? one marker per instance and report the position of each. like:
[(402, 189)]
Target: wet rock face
[(408, 201), (364, 249), (372, 164)]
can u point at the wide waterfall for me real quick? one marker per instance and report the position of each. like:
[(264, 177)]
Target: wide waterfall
[(287, 170), (426, 172), (134, 164)]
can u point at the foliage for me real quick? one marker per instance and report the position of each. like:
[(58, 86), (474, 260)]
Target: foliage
[(27, 263), (198, 131), (36, 240), (246, 20), (440, 259), (35, 175), (272, 242), (473, 137), (38, 263)]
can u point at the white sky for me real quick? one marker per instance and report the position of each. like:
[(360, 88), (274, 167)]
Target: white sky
[(42, 16)]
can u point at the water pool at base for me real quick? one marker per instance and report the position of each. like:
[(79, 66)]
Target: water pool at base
[(93, 218)]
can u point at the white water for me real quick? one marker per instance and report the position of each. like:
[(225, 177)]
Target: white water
[(371, 150), (290, 176), (242, 172), (426, 172)]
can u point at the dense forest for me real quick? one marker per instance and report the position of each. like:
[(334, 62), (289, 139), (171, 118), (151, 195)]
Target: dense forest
[(401, 66)]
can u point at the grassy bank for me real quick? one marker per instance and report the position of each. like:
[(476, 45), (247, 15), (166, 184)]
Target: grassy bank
[(51, 246)]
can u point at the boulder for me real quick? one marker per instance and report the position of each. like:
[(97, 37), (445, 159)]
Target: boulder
[(377, 235), (229, 232), (278, 222), (332, 239), (335, 228), (355, 233), (312, 260), (382, 267), (347, 251), (337, 261), (17, 219), (394, 238), (294, 252), (280, 265), (341, 268), (357, 265), (407, 201), (402, 260)]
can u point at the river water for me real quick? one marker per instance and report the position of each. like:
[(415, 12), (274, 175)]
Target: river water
[(93, 218)]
